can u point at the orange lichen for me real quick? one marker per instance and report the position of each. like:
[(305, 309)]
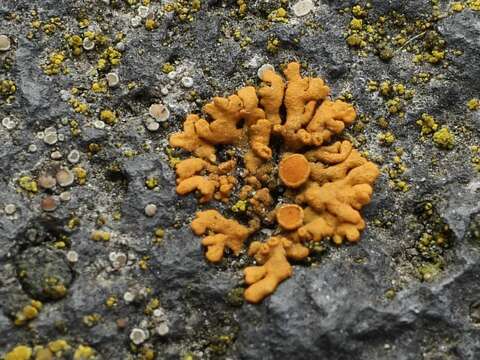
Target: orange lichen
[(301, 98), (290, 216), (203, 184), (274, 267), (260, 139), (225, 233), (294, 170), (336, 205), (260, 201), (226, 113), (272, 96), (329, 119), (250, 110), (321, 173), (325, 183), (331, 154), (190, 141), (216, 183)]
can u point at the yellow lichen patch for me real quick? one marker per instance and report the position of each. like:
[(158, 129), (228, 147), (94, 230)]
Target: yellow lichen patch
[(324, 184), (29, 312), (80, 175), (43, 354), (273, 266), (225, 233), (28, 184), (20, 352), (99, 235), (443, 138), (427, 123), (474, 4), (84, 352), (108, 116), (58, 346), (54, 64), (150, 24), (473, 104), (457, 6), (7, 88)]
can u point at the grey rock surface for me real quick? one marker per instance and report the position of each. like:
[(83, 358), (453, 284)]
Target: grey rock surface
[(408, 290)]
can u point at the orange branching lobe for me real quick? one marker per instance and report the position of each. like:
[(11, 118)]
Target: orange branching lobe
[(301, 97), (273, 266), (224, 233), (341, 199), (325, 183), (329, 119), (225, 113), (271, 96), (189, 140), (214, 184)]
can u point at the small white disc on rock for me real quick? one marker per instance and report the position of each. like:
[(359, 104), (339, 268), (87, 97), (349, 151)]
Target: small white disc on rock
[(65, 177), (10, 209), (88, 44), (159, 112), (303, 7), (112, 79), (187, 82), (150, 210), (4, 43)]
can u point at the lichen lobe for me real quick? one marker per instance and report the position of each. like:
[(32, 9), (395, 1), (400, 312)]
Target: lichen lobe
[(326, 183)]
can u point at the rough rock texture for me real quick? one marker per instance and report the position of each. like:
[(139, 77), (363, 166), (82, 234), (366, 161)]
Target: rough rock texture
[(408, 290)]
